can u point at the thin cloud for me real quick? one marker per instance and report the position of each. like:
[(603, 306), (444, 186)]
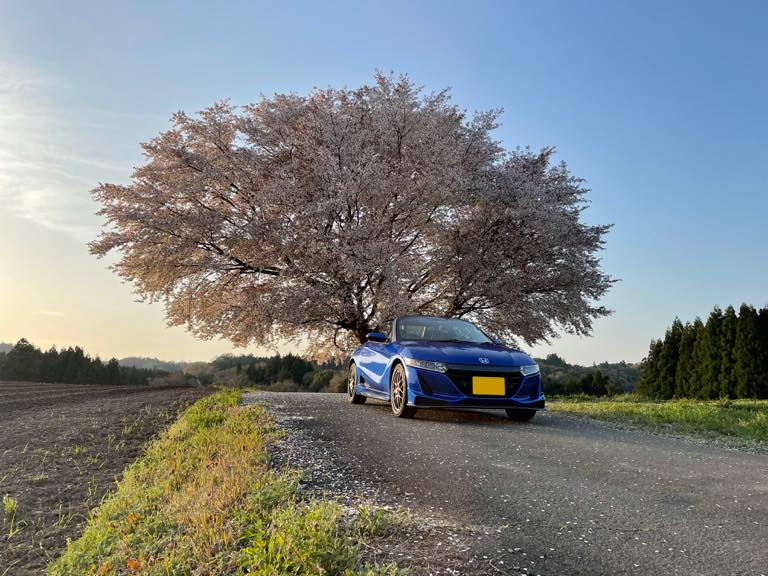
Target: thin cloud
[(15, 80), (51, 313), (45, 177)]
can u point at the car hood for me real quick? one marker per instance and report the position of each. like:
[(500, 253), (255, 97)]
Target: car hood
[(465, 353)]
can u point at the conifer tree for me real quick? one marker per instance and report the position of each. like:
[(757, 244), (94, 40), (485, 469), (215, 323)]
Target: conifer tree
[(727, 383), (48, 365), (762, 329), (685, 360), (668, 360), (747, 353), (95, 371), (22, 362), (709, 369), (762, 322), (695, 373), (112, 372), (648, 385)]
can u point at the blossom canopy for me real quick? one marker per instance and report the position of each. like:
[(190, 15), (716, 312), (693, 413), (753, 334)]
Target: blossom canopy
[(323, 217)]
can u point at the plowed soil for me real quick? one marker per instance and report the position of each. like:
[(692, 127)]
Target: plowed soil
[(62, 447)]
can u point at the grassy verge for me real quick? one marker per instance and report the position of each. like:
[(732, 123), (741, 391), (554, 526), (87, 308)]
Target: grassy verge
[(203, 501), (745, 420)]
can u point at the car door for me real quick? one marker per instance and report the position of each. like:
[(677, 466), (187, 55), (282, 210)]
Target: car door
[(377, 357)]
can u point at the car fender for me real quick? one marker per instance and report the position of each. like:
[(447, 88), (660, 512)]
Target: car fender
[(388, 374), (378, 385)]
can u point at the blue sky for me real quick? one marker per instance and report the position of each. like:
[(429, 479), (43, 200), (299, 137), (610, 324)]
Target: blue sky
[(661, 106)]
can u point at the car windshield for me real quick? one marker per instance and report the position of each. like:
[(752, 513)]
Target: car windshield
[(440, 330)]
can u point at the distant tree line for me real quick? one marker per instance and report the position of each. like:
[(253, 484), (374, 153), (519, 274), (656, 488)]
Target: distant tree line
[(724, 357), (281, 372), (605, 379), (593, 382), (27, 363), (280, 369)]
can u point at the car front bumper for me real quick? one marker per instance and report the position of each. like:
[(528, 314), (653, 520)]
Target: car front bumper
[(429, 389)]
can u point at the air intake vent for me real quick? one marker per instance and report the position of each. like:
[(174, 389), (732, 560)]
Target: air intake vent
[(462, 379)]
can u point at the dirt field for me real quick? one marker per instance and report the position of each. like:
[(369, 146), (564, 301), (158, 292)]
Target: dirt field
[(61, 448)]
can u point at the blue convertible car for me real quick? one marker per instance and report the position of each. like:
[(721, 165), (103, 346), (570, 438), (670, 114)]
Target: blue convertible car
[(428, 362)]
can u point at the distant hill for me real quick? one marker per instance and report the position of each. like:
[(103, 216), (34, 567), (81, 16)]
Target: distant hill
[(560, 377), (152, 364), (5, 347)]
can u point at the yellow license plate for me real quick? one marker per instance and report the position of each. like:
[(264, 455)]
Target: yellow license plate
[(488, 385)]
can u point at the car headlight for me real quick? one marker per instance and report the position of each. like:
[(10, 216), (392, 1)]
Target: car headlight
[(427, 365), (528, 370)]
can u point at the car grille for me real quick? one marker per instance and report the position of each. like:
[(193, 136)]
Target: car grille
[(462, 379)]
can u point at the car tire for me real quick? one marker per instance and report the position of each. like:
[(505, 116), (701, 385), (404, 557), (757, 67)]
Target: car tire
[(398, 393), (352, 396), (520, 414)]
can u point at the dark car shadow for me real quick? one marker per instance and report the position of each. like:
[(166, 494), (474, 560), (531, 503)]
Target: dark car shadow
[(466, 416)]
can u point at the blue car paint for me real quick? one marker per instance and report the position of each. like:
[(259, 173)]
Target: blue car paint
[(375, 361)]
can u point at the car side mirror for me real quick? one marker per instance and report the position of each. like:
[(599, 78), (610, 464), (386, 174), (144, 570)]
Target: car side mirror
[(376, 337)]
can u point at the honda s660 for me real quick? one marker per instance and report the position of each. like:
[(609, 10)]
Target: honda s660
[(429, 362)]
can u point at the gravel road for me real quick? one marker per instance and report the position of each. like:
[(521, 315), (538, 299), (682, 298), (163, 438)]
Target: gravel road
[(559, 495)]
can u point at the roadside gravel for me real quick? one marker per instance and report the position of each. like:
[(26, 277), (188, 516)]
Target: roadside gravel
[(560, 495)]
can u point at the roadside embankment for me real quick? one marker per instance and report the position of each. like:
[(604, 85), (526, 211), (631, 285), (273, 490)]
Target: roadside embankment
[(204, 500)]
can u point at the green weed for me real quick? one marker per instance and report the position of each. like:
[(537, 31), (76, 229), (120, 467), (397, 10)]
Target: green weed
[(64, 517), (377, 522), (10, 506)]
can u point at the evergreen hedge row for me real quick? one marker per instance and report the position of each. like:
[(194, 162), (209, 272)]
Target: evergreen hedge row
[(724, 357), (27, 363)]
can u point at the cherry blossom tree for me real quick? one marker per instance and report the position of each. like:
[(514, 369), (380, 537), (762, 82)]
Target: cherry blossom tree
[(322, 217)]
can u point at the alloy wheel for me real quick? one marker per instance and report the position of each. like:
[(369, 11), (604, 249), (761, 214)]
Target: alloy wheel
[(351, 381), (398, 393), (352, 395), (398, 389)]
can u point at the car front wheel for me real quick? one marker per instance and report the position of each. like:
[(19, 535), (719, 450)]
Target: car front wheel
[(398, 393), (520, 414), (352, 395)]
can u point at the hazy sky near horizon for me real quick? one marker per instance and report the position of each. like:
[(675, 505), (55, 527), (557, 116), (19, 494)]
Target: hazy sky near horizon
[(661, 106)]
